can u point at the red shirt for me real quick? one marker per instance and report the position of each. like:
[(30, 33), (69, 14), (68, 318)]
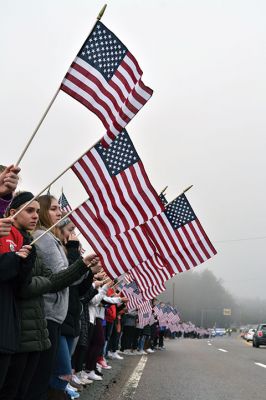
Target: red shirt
[(12, 242)]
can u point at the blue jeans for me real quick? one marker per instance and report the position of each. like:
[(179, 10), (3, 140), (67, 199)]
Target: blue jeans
[(142, 342), (63, 362)]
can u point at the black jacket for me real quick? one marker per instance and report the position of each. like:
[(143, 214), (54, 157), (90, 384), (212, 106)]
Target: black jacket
[(13, 271), (71, 325)]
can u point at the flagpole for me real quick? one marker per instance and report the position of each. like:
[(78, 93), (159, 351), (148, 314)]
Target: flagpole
[(162, 192), (51, 227), (53, 181), (184, 191), (54, 97)]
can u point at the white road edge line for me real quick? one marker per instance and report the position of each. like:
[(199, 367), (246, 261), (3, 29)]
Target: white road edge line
[(132, 383), (223, 350), (261, 365)]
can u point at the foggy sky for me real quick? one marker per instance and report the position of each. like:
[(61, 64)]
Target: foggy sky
[(205, 124)]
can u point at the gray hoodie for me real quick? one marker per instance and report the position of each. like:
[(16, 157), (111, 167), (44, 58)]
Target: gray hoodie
[(53, 255)]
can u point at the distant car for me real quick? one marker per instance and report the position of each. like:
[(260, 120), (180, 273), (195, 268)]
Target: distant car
[(259, 337), (249, 335), (219, 332)]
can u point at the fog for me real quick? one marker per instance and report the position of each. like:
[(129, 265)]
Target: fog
[(204, 125)]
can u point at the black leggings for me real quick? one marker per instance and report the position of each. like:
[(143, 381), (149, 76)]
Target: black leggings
[(80, 354)]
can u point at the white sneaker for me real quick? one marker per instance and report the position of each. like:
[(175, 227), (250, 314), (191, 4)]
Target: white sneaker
[(142, 352), (99, 367), (117, 356), (94, 377), (83, 378), (135, 353), (127, 352), (110, 355), (76, 379), (72, 387), (150, 351)]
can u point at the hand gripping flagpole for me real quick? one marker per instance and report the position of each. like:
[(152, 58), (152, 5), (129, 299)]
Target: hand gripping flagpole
[(53, 99)]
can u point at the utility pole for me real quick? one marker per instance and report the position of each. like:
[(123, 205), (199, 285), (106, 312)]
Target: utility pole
[(173, 293)]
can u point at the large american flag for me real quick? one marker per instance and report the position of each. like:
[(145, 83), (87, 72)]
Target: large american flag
[(118, 253), (63, 203), (144, 313), (106, 78), (118, 185), (179, 236)]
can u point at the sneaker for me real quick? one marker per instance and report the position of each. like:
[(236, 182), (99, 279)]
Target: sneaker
[(97, 372), (116, 356), (84, 380), (94, 377), (150, 351), (127, 352), (82, 375), (110, 355), (99, 367), (72, 387), (135, 353), (73, 383), (104, 364), (72, 393), (142, 352)]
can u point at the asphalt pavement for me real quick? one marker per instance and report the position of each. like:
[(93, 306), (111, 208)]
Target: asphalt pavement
[(189, 369)]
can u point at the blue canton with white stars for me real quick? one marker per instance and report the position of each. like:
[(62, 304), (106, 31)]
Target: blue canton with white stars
[(63, 201), (103, 50), (133, 286), (179, 212), (119, 155)]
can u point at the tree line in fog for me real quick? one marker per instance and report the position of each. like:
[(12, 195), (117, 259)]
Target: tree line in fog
[(201, 298)]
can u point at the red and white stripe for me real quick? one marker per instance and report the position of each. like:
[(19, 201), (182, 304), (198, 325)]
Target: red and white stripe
[(144, 313), (183, 248), (122, 201), (115, 101), (118, 253), (151, 274)]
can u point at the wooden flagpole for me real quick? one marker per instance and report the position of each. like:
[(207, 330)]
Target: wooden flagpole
[(184, 191), (53, 99), (51, 227), (53, 181), (162, 192)]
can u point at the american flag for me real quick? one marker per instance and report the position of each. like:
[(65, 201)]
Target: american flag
[(135, 298), (66, 207), (118, 253), (63, 203), (118, 185), (151, 275), (179, 236), (144, 313), (158, 310), (163, 199), (106, 78)]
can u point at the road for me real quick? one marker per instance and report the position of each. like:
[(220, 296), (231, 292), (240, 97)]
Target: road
[(190, 369)]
